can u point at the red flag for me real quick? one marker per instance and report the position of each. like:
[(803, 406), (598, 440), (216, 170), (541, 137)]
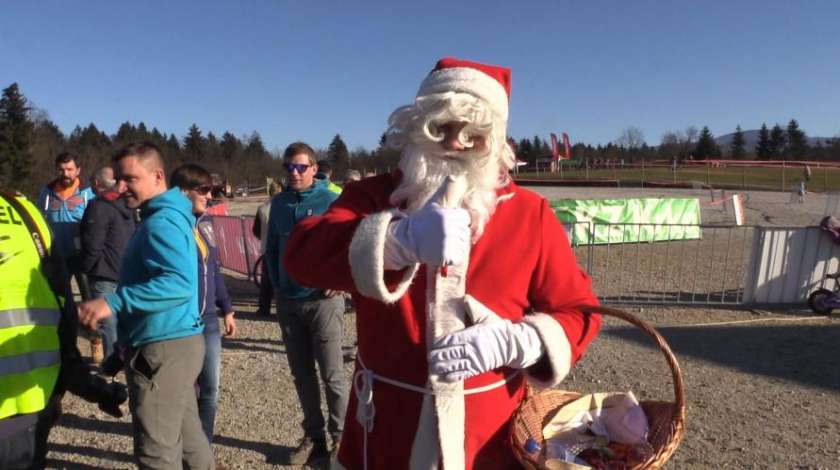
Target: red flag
[(555, 153), (566, 147)]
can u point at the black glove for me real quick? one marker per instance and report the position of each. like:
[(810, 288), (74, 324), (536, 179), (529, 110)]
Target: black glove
[(113, 364), (114, 395)]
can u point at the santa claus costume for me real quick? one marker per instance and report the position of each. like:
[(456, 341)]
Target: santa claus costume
[(520, 270)]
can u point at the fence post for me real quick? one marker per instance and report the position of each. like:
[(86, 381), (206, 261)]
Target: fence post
[(708, 173), (643, 171), (784, 186), (825, 178), (744, 177), (245, 247)]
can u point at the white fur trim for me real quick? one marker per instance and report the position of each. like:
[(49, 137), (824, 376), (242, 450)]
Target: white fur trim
[(367, 263), (467, 80), (557, 348), (425, 451)]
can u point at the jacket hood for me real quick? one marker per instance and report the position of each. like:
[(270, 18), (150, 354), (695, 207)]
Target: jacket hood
[(172, 199), (317, 186)]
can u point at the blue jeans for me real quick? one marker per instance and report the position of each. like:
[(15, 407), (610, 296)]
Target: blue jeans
[(100, 287), (208, 379)]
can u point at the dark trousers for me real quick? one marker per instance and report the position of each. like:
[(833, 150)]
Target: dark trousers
[(266, 291), (312, 332), (26, 449)]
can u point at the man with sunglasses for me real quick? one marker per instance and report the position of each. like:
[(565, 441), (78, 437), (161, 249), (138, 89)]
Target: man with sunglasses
[(311, 320), (465, 285)]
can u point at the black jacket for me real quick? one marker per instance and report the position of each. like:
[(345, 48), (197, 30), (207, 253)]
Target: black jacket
[(105, 230)]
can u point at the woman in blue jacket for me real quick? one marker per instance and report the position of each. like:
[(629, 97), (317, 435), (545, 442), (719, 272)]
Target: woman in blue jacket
[(213, 299)]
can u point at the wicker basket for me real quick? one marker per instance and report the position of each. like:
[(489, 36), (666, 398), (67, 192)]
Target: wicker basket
[(666, 419)]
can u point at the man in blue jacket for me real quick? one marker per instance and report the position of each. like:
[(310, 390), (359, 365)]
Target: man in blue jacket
[(158, 320), (311, 320), (63, 202)]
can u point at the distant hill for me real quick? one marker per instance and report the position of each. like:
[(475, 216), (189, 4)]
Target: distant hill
[(751, 139)]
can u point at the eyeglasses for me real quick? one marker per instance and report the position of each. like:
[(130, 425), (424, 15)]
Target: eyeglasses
[(299, 167), (203, 189)]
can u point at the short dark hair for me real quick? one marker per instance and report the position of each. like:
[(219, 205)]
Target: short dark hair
[(66, 157), (144, 151), (325, 167), (189, 176), (296, 148)]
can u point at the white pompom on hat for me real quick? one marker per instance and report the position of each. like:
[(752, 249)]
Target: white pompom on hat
[(490, 83)]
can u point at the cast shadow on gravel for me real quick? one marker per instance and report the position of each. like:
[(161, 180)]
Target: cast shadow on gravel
[(807, 354), (262, 448), (254, 345), (74, 421), (87, 451)]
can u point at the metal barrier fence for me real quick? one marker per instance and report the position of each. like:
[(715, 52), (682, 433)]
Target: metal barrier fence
[(239, 249), (727, 265), (709, 270)]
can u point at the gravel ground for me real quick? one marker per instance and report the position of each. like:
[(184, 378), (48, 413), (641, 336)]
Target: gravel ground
[(763, 388)]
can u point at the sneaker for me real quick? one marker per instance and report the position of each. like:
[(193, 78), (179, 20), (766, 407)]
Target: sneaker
[(97, 353), (307, 452)]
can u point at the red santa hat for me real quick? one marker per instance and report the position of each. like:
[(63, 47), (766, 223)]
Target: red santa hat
[(490, 83)]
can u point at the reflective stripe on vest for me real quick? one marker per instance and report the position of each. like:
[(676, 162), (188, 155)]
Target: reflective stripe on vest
[(29, 317), (26, 362), (24, 316)]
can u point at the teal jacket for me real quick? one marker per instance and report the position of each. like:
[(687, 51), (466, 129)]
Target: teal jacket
[(287, 209), (157, 296)]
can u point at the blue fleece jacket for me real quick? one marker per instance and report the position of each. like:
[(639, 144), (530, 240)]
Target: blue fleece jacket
[(156, 298), (64, 215), (287, 209)]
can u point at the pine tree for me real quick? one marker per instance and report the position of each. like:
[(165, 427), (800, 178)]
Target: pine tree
[(255, 149), (536, 146), (16, 130), (737, 148), (526, 151), (777, 142), (762, 147), (338, 155), (230, 147), (797, 142), (194, 144), (706, 147)]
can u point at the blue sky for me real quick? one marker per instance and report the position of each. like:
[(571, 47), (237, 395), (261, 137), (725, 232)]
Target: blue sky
[(308, 70)]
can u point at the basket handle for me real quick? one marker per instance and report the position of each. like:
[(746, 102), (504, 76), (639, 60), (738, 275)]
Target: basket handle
[(676, 373)]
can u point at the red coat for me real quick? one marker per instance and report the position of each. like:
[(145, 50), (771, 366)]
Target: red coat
[(522, 268)]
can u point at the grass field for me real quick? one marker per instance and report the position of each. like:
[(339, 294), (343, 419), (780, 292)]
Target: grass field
[(773, 179)]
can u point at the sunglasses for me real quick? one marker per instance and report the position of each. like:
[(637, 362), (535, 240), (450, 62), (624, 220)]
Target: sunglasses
[(299, 167), (203, 189)]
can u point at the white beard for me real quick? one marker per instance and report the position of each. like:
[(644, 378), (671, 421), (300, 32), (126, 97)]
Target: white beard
[(425, 166)]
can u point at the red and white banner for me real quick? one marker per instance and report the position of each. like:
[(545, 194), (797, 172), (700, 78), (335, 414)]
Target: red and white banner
[(555, 149)]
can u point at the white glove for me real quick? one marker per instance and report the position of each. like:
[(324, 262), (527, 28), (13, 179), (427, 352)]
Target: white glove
[(489, 344), (434, 235)]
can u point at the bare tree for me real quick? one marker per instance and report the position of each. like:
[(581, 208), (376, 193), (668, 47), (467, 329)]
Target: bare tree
[(691, 134), (631, 138)]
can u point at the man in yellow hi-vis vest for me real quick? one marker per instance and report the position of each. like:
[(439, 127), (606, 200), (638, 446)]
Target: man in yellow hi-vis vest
[(39, 359)]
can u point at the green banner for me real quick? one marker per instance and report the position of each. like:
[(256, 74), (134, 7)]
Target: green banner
[(600, 221)]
